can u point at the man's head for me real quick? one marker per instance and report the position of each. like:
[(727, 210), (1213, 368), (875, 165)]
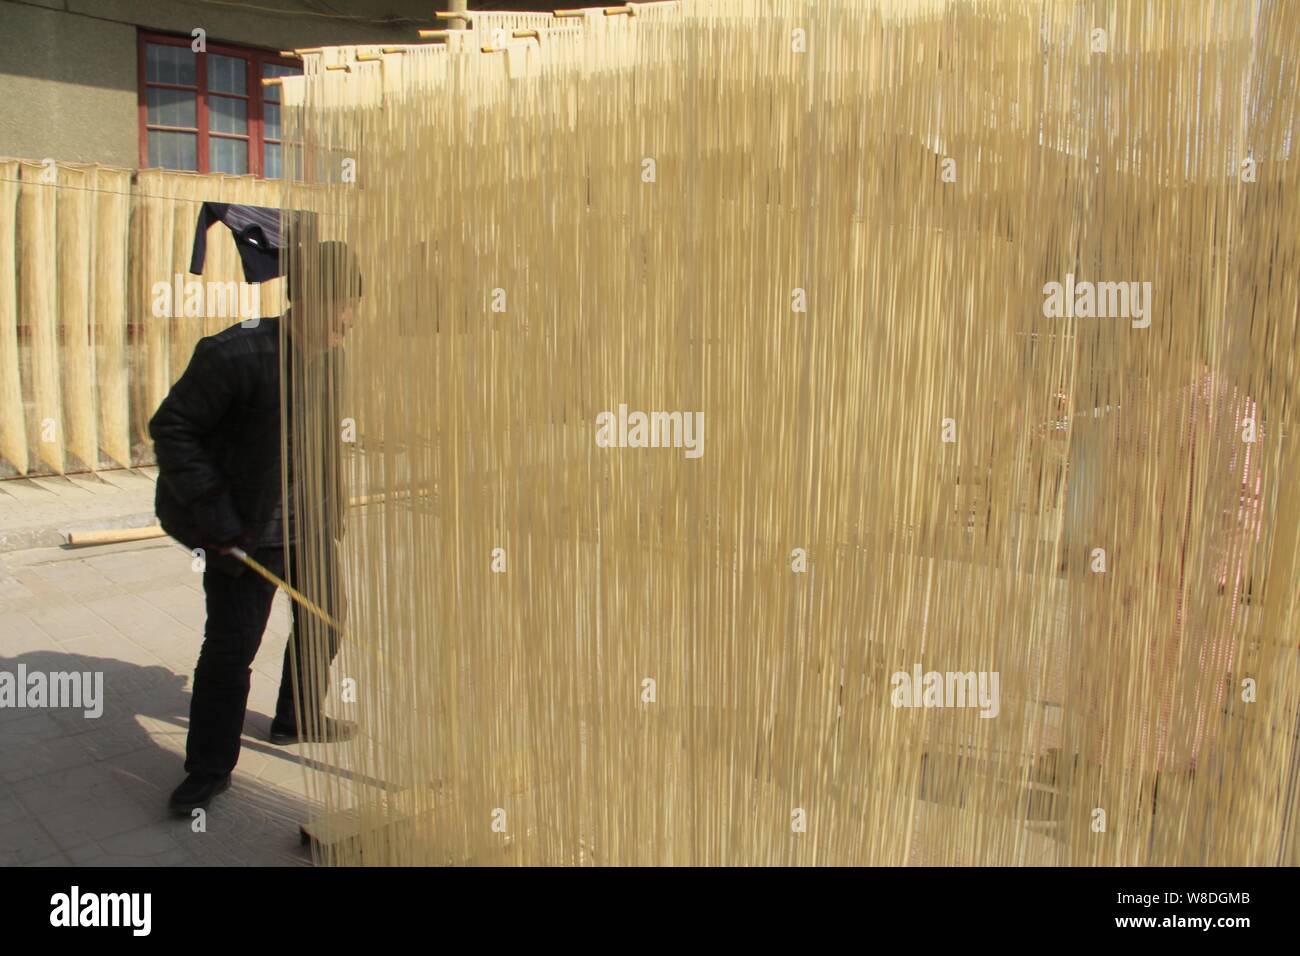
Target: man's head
[(324, 284)]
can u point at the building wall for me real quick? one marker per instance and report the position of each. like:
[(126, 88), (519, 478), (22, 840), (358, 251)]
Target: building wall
[(68, 67)]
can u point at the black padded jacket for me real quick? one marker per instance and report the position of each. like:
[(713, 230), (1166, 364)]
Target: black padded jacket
[(217, 442)]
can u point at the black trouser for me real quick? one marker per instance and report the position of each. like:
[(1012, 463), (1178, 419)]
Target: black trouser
[(238, 609)]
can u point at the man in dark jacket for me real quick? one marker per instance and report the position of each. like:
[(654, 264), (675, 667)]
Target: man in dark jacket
[(217, 439)]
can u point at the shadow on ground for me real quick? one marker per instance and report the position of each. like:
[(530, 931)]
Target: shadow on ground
[(93, 791)]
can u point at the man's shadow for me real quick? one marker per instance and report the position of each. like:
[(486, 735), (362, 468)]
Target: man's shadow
[(93, 790)]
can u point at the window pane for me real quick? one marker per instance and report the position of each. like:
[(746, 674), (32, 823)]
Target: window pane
[(277, 69), (227, 155), (271, 120), (171, 107), (164, 63), (271, 161), (173, 150), (227, 74), (227, 116)]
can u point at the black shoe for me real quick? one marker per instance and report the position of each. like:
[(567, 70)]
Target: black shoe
[(197, 792), (327, 730)]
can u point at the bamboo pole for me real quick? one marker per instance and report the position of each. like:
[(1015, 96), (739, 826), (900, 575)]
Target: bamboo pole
[(83, 539)]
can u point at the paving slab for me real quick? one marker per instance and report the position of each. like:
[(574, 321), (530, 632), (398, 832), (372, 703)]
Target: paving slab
[(38, 512), (76, 790)]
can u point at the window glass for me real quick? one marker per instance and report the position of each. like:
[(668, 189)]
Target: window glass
[(271, 164), (273, 152), (173, 150), (226, 115), (270, 70), (165, 63), (168, 107), (227, 74), (227, 155), (271, 120)]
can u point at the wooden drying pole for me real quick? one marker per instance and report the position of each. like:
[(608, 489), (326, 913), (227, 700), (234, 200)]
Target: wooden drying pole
[(456, 10)]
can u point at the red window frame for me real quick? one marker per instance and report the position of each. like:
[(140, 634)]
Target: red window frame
[(255, 59)]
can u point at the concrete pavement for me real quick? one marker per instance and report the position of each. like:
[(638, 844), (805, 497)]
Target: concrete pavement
[(93, 791), (37, 512)]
